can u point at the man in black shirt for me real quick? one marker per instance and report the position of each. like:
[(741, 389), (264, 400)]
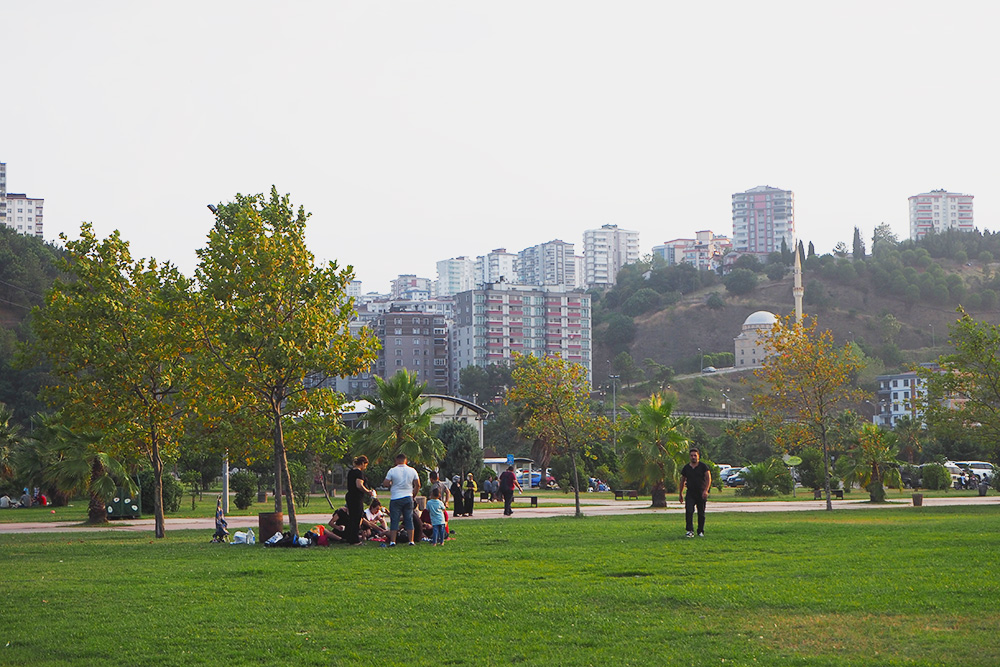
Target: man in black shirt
[(698, 479)]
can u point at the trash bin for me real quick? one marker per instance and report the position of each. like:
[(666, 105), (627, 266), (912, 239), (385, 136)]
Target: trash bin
[(124, 506), (269, 523), (918, 500), (983, 488)]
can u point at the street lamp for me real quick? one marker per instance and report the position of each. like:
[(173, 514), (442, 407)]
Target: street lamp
[(702, 369), (933, 338), (726, 406), (614, 411)]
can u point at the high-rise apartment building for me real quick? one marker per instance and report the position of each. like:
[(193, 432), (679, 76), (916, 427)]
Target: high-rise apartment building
[(606, 251), (496, 266), (493, 323), (938, 211), (762, 217), (548, 264), (416, 342), (704, 252), (409, 286), (19, 211), (455, 275)]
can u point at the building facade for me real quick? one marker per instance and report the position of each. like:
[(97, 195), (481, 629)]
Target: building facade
[(497, 266), (898, 395), (548, 264), (494, 323), (19, 211), (455, 275), (409, 286), (938, 211), (704, 252), (606, 251), (762, 218), (416, 342)]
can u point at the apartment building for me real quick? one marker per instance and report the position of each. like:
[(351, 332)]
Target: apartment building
[(494, 323), (496, 266), (704, 251), (548, 264), (417, 342), (938, 211), (19, 211), (606, 251), (762, 218), (455, 275)]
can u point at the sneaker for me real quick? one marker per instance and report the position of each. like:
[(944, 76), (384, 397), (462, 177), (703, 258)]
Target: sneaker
[(701, 533), (424, 539), (387, 546), (411, 544), (689, 534)]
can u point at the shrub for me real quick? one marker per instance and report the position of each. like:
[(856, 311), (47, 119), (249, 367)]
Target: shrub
[(715, 302), (740, 281), (173, 492), (244, 483), (768, 478), (935, 477), (301, 481)]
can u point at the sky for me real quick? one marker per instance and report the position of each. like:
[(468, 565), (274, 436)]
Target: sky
[(419, 131)]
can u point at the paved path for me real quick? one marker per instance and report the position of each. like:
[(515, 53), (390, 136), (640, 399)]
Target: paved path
[(591, 507)]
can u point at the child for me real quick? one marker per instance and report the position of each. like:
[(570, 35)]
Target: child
[(436, 508), (220, 523)]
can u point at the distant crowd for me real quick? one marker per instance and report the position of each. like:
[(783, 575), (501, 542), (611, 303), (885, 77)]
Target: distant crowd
[(26, 500)]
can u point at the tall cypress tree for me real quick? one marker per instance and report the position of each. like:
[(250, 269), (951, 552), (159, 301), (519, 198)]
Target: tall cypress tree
[(859, 245)]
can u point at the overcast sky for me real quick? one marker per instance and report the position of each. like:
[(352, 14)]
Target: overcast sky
[(419, 131)]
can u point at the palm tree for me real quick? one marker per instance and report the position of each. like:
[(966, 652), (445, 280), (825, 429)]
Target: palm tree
[(9, 438), (873, 462), (398, 423), (656, 445), (908, 432), (73, 463)]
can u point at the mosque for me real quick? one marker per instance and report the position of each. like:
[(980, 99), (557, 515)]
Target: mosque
[(749, 350)]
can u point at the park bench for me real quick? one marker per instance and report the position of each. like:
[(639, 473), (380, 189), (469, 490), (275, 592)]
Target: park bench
[(631, 494), (837, 493), (533, 499)]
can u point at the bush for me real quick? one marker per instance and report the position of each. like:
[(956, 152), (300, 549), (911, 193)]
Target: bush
[(301, 481), (935, 477), (768, 478), (715, 302), (244, 483), (740, 281), (173, 492)]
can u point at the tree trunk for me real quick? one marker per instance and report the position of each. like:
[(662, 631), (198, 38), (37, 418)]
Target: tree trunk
[(576, 484), (160, 527), (660, 495), (281, 466), (826, 470), (97, 511)]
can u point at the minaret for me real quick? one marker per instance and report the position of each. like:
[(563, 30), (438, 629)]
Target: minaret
[(797, 290)]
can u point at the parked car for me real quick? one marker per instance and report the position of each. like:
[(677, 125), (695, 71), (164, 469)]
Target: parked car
[(737, 478), (709, 369), (982, 469), (536, 478), (724, 471)]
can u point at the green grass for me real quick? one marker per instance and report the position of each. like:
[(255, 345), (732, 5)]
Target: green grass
[(912, 586)]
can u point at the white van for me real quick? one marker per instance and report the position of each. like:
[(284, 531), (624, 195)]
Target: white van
[(982, 469)]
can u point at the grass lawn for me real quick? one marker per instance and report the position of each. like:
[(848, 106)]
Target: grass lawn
[(911, 586)]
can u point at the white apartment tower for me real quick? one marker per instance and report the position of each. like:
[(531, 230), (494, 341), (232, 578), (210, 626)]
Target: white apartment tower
[(551, 263), (19, 211), (938, 211), (455, 275), (762, 217), (496, 266), (606, 251)]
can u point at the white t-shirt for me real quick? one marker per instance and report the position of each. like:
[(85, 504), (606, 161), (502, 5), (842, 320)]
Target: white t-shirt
[(402, 478)]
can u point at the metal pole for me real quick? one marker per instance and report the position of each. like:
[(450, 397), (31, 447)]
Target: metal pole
[(225, 483), (614, 412)]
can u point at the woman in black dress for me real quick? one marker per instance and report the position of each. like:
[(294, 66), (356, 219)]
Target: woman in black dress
[(357, 489), (456, 493)]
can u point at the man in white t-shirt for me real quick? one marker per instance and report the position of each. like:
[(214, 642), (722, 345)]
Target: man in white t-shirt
[(403, 483)]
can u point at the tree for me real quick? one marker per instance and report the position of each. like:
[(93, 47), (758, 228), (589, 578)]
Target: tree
[(74, 463), (552, 396), (656, 445), (274, 326), (909, 432), (806, 379), (658, 372), (9, 439), (397, 422), (463, 453), (840, 250), (115, 338), (964, 390), (883, 240), (859, 245), (767, 478), (626, 368), (872, 462), (740, 281)]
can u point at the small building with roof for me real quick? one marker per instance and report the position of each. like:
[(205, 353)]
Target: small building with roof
[(750, 350)]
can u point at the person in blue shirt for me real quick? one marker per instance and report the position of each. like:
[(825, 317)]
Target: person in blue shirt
[(436, 508)]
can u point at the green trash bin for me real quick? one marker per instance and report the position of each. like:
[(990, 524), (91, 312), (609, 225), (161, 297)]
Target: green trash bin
[(124, 505)]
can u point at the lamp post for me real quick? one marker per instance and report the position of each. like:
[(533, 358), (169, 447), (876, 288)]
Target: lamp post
[(702, 354), (614, 412), (933, 338), (726, 406)]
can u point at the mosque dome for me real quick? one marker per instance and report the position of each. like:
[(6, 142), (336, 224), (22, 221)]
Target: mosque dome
[(760, 319)]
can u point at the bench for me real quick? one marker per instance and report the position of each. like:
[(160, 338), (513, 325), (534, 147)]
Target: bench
[(631, 494), (533, 499), (837, 493)]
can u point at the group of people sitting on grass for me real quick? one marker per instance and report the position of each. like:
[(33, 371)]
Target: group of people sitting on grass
[(26, 500), (374, 526)]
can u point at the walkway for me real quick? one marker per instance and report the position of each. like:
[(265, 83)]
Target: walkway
[(591, 507)]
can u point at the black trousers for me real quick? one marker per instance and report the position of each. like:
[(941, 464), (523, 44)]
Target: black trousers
[(508, 498), (692, 501), (356, 509)]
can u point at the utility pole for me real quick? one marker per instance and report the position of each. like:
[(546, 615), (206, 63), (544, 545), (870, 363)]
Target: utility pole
[(614, 411)]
